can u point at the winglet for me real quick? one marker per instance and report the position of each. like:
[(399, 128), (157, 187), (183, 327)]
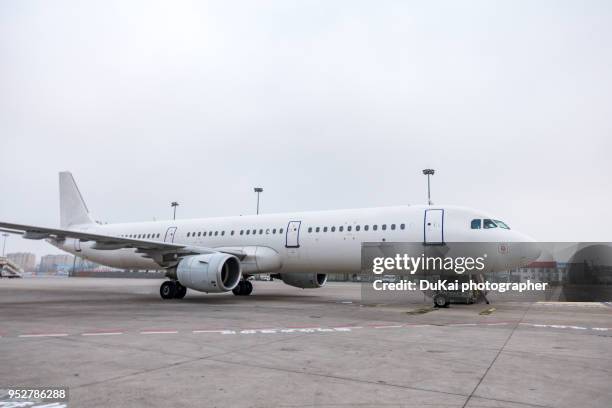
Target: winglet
[(73, 210)]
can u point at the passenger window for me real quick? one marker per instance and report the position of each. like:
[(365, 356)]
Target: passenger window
[(487, 224), (341, 228), (189, 233), (375, 227), (216, 233), (357, 228), (280, 231), (393, 226), (267, 231), (199, 233), (232, 233), (318, 229), (260, 232), (333, 229), (309, 229), (366, 227), (476, 223), (222, 233), (402, 226), (349, 228), (248, 232), (324, 229), (274, 231), (241, 232), (384, 227)]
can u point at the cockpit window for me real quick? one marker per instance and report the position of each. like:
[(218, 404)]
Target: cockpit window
[(502, 224), (476, 223), (487, 223)]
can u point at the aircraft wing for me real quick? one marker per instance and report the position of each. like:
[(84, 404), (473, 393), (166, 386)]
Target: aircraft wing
[(153, 249)]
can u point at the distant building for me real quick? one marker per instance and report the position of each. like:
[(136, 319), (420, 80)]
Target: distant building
[(54, 263), (542, 271), (26, 260)]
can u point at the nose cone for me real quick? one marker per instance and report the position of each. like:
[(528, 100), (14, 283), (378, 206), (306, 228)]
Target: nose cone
[(527, 248)]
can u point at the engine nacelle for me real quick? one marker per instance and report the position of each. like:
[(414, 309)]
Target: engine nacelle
[(304, 280), (214, 273)]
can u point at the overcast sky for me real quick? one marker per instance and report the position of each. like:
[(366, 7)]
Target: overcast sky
[(325, 104)]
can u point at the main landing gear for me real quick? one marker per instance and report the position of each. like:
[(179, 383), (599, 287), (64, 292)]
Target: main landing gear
[(244, 288), (172, 290)]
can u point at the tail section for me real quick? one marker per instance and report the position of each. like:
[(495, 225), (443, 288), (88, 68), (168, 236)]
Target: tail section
[(73, 210)]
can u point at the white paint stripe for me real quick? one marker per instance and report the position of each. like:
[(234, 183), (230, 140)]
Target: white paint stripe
[(208, 331), (44, 335), (315, 329), (574, 304)]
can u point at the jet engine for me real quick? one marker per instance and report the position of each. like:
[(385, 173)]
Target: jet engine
[(304, 280), (214, 273)]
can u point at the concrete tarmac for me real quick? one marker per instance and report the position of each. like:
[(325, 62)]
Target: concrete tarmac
[(115, 342)]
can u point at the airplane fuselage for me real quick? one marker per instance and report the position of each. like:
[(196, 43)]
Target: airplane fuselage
[(319, 241)]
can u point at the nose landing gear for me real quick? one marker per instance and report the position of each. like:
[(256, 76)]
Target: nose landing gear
[(172, 290)]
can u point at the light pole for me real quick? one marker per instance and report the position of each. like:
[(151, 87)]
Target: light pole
[(428, 173), (174, 204), (5, 235), (258, 190)]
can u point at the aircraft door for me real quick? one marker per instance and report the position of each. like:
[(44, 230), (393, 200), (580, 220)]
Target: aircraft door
[(433, 227), (292, 237), (170, 235)]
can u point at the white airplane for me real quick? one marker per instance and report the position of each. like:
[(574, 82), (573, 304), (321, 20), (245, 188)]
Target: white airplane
[(218, 254)]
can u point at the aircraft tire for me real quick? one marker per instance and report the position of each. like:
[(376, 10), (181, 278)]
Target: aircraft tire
[(180, 291), (244, 288), (237, 291), (248, 288), (167, 290)]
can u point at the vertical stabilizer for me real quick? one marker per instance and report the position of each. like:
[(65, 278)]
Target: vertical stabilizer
[(73, 210)]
